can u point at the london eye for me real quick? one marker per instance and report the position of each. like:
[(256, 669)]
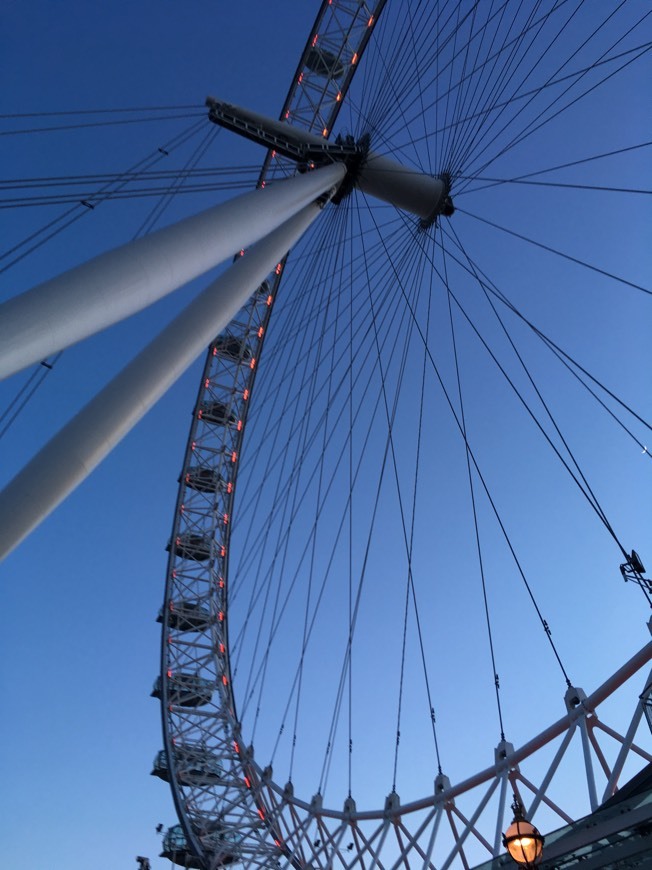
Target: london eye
[(416, 473)]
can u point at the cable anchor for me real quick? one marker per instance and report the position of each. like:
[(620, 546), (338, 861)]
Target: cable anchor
[(633, 569)]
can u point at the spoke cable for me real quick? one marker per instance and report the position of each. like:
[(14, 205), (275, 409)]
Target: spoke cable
[(476, 528), (562, 355), (482, 480), (559, 253), (74, 214)]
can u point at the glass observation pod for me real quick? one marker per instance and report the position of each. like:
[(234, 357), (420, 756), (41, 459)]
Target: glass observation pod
[(186, 615), (217, 412), (265, 288), (324, 63), (185, 690), (175, 848), (192, 546), (233, 348), (193, 765), (204, 479)]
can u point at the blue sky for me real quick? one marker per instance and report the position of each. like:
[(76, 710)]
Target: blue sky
[(80, 644)]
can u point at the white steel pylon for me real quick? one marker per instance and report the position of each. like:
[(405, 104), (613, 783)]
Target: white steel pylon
[(84, 442), (117, 284)]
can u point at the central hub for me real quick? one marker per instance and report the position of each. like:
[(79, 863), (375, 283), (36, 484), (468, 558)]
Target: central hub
[(425, 196)]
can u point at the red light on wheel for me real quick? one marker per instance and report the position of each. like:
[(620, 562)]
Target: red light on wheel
[(354, 59), (314, 39)]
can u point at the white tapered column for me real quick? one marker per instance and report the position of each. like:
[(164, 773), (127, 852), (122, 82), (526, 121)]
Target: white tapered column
[(406, 188), (82, 444), (115, 285)]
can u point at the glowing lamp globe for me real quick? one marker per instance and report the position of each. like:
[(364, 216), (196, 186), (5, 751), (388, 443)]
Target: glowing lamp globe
[(522, 840)]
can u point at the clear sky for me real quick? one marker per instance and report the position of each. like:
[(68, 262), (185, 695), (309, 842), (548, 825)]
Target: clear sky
[(80, 645)]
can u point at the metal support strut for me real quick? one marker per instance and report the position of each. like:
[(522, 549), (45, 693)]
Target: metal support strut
[(84, 442), (425, 196)]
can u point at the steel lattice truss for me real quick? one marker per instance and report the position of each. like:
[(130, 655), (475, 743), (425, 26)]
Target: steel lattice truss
[(436, 831), (219, 801)]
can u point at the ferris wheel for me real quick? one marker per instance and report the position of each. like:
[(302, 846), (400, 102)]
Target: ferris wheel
[(353, 343), (418, 450)]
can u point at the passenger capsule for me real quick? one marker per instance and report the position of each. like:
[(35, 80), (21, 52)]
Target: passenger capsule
[(218, 413), (233, 348), (195, 547), (204, 479), (324, 63), (194, 765), (186, 615), (185, 690)]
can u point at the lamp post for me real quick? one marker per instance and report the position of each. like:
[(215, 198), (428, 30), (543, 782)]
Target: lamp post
[(522, 840)]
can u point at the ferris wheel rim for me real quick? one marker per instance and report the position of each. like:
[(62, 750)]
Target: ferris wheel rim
[(324, 129), (600, 694)]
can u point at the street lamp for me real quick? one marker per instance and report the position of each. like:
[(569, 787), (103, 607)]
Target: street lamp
[(522, 840)]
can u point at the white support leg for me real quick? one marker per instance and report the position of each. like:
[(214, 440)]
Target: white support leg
[(588, 764), (500, 817), (82, 444), (625, 749), (433, 836), (115, 285)]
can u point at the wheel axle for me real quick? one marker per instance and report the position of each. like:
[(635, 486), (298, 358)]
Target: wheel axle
[(423, 195)]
